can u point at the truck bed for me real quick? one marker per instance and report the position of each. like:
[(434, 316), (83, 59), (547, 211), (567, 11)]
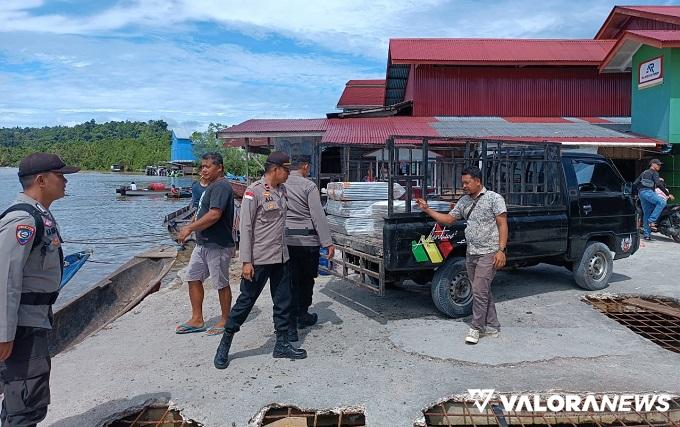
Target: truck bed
[(363, 243)]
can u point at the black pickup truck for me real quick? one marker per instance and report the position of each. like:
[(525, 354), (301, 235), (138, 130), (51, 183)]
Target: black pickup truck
[(568, 208)]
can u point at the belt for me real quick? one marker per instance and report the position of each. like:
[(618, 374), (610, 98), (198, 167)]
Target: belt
[(38, 298), (300, 232)]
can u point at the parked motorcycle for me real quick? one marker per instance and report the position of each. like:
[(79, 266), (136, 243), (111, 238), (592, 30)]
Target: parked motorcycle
[(668, 223)]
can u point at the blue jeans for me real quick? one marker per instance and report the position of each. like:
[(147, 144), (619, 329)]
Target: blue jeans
[(652, 205)]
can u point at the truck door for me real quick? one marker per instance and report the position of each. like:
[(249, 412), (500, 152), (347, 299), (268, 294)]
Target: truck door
[(602, 206)]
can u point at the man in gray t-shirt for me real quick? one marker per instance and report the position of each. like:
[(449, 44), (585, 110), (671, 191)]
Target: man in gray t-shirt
[(486, 235), (214, 246)]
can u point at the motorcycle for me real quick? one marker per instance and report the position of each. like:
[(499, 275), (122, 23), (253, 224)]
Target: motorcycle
[(668, 223)]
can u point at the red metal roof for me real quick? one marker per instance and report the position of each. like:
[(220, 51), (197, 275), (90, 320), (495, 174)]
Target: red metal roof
[(621, 57), (371, 131), (278, 125), (498, 51), (366, 82), (363, 94), (620, 16)]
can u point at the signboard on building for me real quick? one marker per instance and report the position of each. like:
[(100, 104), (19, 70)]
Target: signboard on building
[(651, 73)]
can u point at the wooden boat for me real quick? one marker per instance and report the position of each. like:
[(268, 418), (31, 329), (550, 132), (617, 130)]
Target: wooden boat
[(72, 264), (183, 194), (177, 219), (110, 298), (123, 191)]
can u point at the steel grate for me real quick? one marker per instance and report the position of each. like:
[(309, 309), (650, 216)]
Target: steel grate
[(463, 413), (349, 418), (656, 319), (154, 416)]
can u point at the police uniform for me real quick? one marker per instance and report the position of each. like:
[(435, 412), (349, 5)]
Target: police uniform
[(306, 230), (261, 226), (263, 215), (30, 273), (31, 263)]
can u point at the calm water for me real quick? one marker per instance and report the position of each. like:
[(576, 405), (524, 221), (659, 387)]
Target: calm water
[(115, 228)]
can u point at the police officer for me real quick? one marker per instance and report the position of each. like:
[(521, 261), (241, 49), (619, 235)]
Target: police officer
[(306, 230), (264, 255), (31, 262)]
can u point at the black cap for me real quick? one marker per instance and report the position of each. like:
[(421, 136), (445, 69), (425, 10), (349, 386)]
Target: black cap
[(655, 162), (301, 158), (43, 162), (279, 158)]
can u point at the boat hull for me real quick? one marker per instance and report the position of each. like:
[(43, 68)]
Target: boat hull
[(110, 298)]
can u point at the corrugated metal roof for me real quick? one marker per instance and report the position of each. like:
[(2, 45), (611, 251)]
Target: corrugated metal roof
[(278, 125), (498, 51), (621, 56), (621, 16), (667, 11), (366, 82), (375, 131), (660, 36), (362, 93), (370, 131)]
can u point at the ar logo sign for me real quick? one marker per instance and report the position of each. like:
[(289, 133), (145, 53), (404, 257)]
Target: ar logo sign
[(651, 73)]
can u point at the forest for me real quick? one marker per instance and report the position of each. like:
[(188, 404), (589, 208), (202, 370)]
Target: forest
[(91, 145)]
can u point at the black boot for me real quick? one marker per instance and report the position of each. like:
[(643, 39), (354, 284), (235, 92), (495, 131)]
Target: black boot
[(293, 330), (222, 356), (283, 348), (307, 319)]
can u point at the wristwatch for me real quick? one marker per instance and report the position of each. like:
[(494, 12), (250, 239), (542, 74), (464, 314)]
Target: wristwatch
[(502, 250)]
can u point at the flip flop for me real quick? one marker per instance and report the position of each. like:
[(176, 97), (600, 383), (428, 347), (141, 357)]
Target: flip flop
[(215, 331), (183, 328)]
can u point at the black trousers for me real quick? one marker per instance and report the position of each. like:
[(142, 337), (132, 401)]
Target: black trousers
[(279, 285), (25, 376), (304, 268)]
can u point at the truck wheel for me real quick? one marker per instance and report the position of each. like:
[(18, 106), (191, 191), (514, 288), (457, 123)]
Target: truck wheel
[(451, 289), (595, 268)]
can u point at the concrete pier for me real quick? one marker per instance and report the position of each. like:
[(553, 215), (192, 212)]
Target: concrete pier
[(392, 356)]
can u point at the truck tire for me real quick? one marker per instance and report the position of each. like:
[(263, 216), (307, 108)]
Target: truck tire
[(451, 290), (595, 268)]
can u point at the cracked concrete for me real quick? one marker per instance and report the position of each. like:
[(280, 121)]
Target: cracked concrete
[(392, 356)]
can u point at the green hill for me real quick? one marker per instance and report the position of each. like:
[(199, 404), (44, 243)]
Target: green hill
[(90, 145)]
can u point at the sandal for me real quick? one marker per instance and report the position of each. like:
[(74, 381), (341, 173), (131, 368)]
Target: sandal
[(215, 330), (183, 328)]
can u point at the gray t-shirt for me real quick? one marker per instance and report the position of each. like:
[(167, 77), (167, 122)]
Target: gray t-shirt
[(220, 195), (481, 233)]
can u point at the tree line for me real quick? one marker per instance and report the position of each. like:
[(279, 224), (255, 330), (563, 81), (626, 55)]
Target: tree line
[(91, 145), (134, 145)]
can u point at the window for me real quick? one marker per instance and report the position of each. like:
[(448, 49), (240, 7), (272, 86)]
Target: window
[(593, 175)]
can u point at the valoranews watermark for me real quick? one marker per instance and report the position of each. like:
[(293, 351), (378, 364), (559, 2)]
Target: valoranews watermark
[(573, 402)]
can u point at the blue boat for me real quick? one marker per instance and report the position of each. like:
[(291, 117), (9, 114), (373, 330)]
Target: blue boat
[(72, 264)]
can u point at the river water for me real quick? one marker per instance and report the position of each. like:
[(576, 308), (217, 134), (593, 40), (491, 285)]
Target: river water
[(115, 228)]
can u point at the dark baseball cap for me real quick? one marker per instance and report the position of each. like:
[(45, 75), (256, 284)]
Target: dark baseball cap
[(301, 158), (43, 162), (655, 162), (279, 158)]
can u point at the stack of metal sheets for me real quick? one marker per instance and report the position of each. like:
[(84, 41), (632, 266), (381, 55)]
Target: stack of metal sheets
[(344, 191), (351, 208), (379, 209), (356, 226)]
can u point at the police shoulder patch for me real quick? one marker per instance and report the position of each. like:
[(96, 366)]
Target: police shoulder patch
[(24, 233)]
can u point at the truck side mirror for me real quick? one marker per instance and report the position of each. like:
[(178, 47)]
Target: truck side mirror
[(627, 188)]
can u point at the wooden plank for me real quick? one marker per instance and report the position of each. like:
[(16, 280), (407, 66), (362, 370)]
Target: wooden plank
[(290, 422), (653, 306)]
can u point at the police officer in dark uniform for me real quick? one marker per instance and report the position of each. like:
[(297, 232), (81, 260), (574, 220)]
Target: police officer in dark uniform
[(306, 231), (31, 262), (264, 254)]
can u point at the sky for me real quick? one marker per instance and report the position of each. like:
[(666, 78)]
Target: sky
[(192, 62)]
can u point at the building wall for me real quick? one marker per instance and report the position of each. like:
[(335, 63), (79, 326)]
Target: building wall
[(181, 150), (521, 92), (299, 145), (653, 108)]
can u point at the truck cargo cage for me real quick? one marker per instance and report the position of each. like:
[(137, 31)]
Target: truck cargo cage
[(526, 174)]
